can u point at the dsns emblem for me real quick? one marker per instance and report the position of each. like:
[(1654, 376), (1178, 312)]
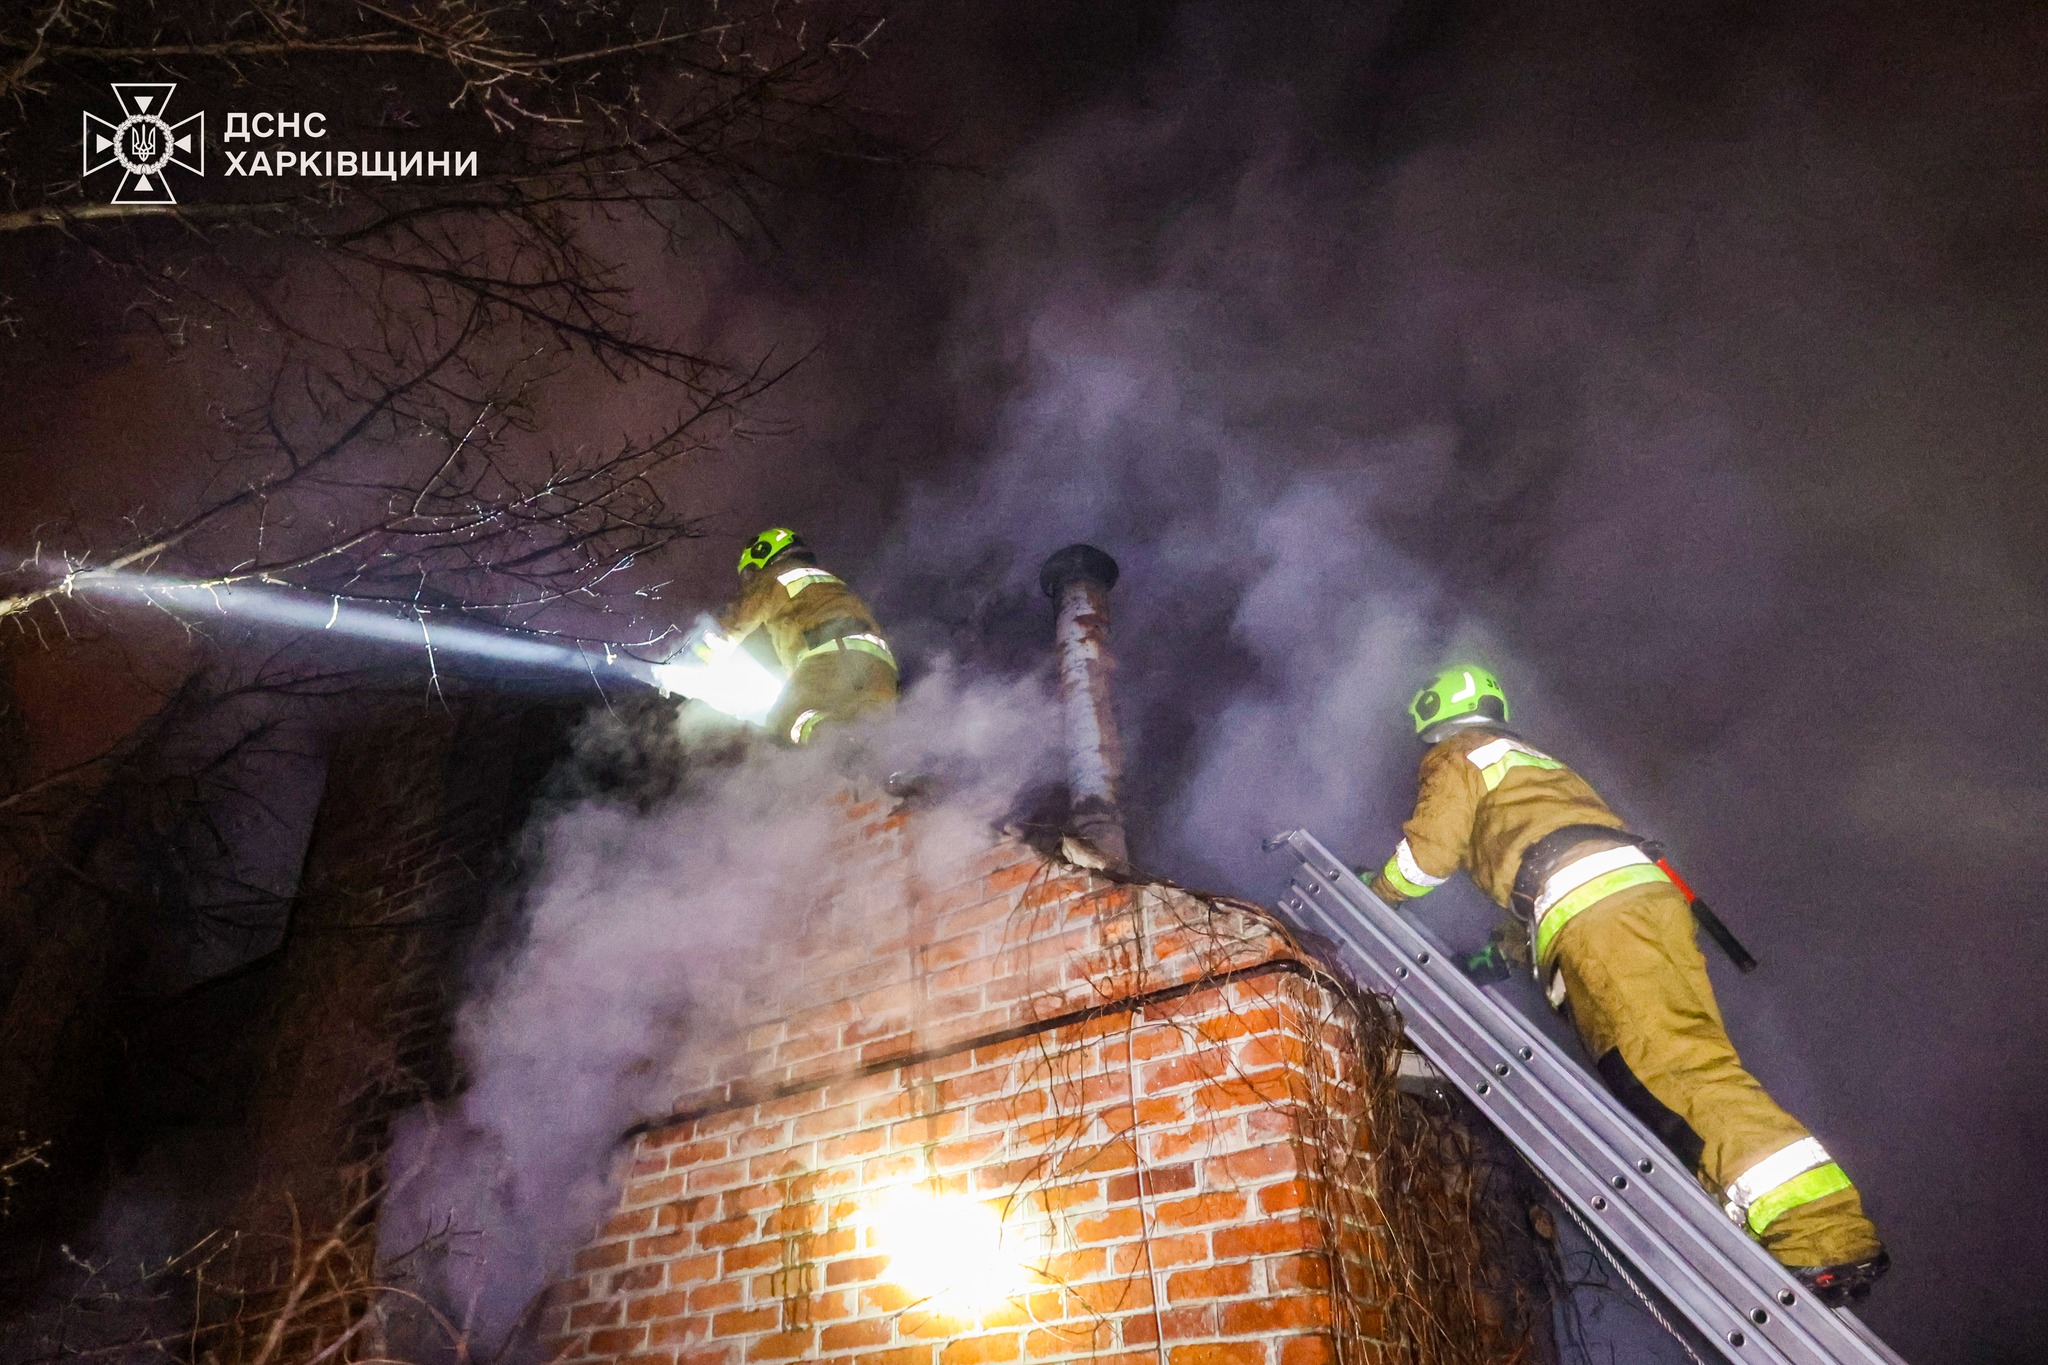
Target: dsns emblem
[(145, 143)]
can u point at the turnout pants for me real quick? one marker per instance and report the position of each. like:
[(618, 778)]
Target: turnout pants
[(831, 689), (1637, 991)]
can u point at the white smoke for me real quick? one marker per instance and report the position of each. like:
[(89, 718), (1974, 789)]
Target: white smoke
[(637, 933)]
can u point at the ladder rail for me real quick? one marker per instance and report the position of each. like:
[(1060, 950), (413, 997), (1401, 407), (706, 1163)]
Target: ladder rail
[(1619, 1177)]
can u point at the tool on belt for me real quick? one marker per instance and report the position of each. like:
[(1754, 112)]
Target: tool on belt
[(1704, 913), (1562, 846)]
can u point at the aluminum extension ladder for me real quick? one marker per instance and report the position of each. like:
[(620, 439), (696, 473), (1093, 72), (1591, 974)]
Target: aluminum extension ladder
[(1622, 1181)]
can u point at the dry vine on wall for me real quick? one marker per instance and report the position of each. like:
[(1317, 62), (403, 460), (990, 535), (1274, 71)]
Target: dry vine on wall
[(1424, 1232)]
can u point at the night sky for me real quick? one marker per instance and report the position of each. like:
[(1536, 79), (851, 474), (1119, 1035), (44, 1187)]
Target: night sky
[(1685, 362)]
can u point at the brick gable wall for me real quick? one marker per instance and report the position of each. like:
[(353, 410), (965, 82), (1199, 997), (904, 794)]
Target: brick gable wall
[(1143, 1084)]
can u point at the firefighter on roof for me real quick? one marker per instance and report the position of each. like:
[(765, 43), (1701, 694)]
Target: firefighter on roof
[(1611, 938), (825, 638)]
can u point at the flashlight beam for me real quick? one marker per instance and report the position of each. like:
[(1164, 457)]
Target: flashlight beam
[(377, 623)]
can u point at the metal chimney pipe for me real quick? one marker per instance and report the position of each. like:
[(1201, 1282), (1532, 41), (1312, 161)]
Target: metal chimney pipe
[(1078, 580)]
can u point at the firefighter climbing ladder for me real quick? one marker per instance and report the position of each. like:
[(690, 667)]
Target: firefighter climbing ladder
[(1622, 1181)]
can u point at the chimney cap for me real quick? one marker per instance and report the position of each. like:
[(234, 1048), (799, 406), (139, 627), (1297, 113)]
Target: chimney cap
[(1083, 562)]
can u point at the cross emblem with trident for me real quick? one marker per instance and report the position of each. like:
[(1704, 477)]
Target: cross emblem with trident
[(144, 143)]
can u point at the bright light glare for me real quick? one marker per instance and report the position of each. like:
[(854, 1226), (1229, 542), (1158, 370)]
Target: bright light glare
[(955, 1255), (712, 668)]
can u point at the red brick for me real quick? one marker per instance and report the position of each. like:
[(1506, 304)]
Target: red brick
[(1114, 1296), (1114, 1156), (1157, 1180), (902, 1355), (1185, 1323), (709, 1298), (654, 1191), (670, 1305), (1245, 1090), (783, 1346), (1011, 877), (886, 1298), (730, 1232), (1276, 1315), (1112, 1226), (1219, 1353), (1262, 1239), (833, 1307), (1160, 1252), (856, 1269), (1067, 1267), (1283, 1197), (1210, 1282), (848, 1336), (1316, 1350), (628, 1224), (739, 1259), (1069, 1339), (980, 1350), (745, 1322), (1306, 1270), (1160, 1111), (679, 1331), (1218, 1206), (668, 1246), (638, 1277), (968, 1151), (1252, 1167), (617, 1341), (693, 1269), (852, 1147)]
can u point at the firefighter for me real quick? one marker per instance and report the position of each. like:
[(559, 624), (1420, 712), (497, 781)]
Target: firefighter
[(839, 666), (1611, 939)]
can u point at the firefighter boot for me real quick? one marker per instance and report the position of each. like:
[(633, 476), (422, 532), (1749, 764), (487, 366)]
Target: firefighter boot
[(1836, 1285)]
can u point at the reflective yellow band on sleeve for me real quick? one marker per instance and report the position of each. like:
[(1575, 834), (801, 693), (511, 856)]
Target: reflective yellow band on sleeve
[(866, 644), (1399, 881), (807, 721), (1412, 870), (1588, 894), (1817, 1183)]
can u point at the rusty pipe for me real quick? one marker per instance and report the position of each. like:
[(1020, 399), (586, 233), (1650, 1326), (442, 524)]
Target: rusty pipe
[(1078, 580)]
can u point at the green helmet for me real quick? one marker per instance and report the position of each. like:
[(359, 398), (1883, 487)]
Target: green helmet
[(1460, 696), (770, 543)]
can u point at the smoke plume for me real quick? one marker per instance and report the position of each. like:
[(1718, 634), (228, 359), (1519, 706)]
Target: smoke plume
[(642, 934)]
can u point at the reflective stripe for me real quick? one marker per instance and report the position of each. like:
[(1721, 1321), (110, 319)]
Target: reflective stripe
[(1496, 757), (865, 643), (1763, 1176), (1817, 1183), (1404, 876), (1412, 872), (1491, 750), (1468, 691), (806, 721), (1579, 871), (1584, 897), (1795, 1174), (796, 580)]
